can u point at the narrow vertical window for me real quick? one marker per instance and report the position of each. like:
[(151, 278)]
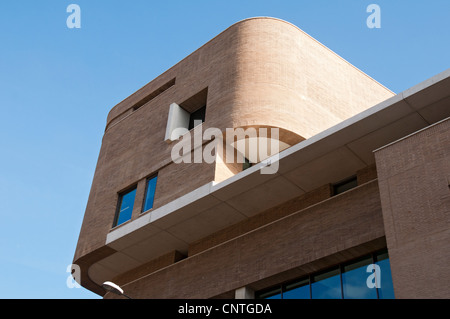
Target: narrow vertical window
[(197, 117), (125, 207), (150, 193)]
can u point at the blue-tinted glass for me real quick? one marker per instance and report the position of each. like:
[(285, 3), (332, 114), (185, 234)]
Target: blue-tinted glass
[(272, 294), (150, 195), (126, 207), (354, 280), (297, 290), (386, 290), (327, 285)]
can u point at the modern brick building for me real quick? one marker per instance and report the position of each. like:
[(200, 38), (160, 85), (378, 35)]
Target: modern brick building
[(357, 204)]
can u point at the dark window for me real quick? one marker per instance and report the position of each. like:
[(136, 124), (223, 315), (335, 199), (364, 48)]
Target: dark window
[(125, 207), (345, 185), (246, 164), (150, 193), (197, 117)]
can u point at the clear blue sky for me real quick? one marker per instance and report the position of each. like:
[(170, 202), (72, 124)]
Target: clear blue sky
[(58, 84)]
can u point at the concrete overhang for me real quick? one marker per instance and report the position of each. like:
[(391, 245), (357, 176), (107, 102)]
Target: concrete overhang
[(328, 157)]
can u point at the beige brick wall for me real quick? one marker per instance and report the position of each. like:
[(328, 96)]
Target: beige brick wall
[(259, 72), (262, 219), (414, 179), (343, 227)]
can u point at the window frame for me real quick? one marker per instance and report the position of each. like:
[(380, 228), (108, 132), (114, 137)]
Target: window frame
[(282, 287), (192, 121), (119, 204), (147, 180)]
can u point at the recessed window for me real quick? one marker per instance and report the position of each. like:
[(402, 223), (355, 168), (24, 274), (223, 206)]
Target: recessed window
[(150, 193), (274, 293), (354, 280), (186, 115), (197, 117), (299, 289), (125, 207), (368, 277), (326, 285), (345, 185)]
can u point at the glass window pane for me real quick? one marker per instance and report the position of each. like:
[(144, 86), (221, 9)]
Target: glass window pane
[(327, 285), (271, 294), (386, 290), (150, 194), (354, 280), (126, 207), (297, 290)]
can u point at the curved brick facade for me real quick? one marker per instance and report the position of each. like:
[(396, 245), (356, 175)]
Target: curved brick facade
[(260, 72)]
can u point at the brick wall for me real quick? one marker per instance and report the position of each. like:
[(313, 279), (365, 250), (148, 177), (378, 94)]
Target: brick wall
[(342, 227), (414, 178)]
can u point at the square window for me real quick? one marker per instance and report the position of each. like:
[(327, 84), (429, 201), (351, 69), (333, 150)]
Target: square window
[(150, 193), (125, 207)]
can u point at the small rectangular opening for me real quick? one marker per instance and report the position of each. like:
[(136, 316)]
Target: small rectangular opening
[(154, 94), (196, 107), (197, 117), (345, 185), (185, 116)]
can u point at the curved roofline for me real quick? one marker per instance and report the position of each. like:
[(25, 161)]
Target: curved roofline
[(323, 45), (234, 25)]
